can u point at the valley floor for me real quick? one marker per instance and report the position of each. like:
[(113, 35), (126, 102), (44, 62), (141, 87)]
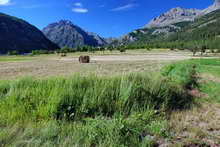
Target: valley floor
[(107, 63), (137, 98)]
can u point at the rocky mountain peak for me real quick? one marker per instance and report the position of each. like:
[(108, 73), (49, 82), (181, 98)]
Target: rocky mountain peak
[(179, 14), (217, 3), (213, 7), (65, 33), (65, 22), (174, 15)]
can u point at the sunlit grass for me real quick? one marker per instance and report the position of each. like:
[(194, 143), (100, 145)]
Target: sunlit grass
[(14, 58), (124, 110)]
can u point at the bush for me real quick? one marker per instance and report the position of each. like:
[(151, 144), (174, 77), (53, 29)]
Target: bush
[(122, 49), (40, 52), (14, 52)]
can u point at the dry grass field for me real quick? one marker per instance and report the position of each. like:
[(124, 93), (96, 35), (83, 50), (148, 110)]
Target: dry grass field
[(107, 63)]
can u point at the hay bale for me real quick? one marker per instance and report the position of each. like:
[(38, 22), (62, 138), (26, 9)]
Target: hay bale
[(63, 54), (84, 59)]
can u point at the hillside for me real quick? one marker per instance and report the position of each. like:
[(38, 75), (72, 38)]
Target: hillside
[(203, 31), (65, 33), (17, 34), (205, 27), (178, 24)]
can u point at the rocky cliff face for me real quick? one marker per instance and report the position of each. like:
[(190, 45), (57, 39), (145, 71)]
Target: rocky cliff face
[(65, 33), (16, 34), (175, 15), (213, 7), (101, 41), (178, 14)]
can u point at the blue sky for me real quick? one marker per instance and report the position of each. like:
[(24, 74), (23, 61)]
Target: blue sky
[(108, 18)]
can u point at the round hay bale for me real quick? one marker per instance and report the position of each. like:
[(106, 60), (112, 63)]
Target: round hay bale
[(63, 55), (84, 59)]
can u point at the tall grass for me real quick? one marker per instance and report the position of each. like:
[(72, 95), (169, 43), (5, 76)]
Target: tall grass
[(89, 111), (79, 97)]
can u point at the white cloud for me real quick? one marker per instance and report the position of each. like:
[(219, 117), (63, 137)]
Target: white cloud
[(125, 7), (78, 4), (80, 10), (4, 2)]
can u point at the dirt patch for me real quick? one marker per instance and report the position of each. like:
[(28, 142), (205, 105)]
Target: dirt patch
[(199, 125), (197, 94), (209, 77)]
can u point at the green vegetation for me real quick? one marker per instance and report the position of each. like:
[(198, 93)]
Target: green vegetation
[(102, 111), (197, 36), (128, 110), (13, 52), (209, 72), (39, 52), (14, 58), (198, 126)]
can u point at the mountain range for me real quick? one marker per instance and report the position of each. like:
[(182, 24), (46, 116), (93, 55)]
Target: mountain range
[(178, 14), (175, 25), (168, 23)]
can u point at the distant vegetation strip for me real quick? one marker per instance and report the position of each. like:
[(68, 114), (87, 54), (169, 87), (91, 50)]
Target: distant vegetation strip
[(14, 58)]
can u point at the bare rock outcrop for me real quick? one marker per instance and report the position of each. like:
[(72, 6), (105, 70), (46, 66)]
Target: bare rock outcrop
[(175, 15)]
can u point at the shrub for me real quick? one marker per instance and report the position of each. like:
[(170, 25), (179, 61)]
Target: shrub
[(40, 52), (14, 52), (122, 49)]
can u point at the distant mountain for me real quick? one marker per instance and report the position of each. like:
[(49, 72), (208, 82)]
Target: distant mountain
[(212, 8), (17, 34), (100, 41), (65, 33), (169, 23), (203, 28), (202, 33), (178, 14), (173, 16)]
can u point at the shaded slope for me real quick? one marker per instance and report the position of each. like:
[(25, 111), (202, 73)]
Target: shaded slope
[(16, 34)]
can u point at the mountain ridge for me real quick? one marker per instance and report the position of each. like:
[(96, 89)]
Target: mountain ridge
[(174, 15), (179, 14), (168, 23), (19, 35)]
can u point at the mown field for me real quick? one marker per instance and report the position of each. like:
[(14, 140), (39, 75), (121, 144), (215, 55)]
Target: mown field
[(177, 104), (102, 63)]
